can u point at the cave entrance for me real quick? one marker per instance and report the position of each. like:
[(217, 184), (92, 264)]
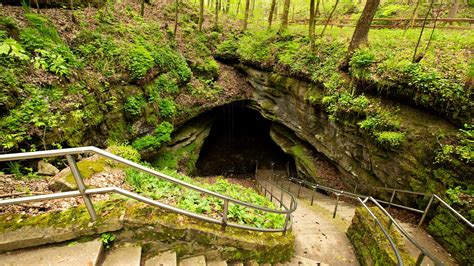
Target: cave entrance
[(239, 136)]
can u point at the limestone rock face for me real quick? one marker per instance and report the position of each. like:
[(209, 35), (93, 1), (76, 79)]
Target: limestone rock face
[(45, 168), (361, 161)]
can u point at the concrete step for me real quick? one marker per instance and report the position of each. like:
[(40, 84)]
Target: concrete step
[(217, 263), (301, 261), (166, 258), (67, 254), (193, 261), (123, 256)]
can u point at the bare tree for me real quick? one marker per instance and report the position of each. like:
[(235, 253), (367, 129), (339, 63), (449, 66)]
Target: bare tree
[(329, 18), (311, 22), (361, 32), (201, 14), (216, 18), (246, 18), (415, 58), (411, 22), (176, 14), (453, 11), (270, 14), (284, 16)]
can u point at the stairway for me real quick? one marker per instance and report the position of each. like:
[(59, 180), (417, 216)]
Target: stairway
[(323, 206), (91, 253)]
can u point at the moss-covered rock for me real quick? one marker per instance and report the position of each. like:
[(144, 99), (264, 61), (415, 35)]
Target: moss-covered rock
[(151, 227), (454, 235), (370, 244)]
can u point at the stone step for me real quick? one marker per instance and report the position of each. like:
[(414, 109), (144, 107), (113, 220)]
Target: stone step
[(166, 258), (67, 254), (217, 263), (193, 261), (123, 256)]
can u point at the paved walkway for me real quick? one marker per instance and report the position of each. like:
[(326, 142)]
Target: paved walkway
[(322, 238)]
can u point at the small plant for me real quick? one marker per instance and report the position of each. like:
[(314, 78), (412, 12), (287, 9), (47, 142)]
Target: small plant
[(167, 107), (125, 151), (391, 139), (107, 239), (162, 134), (13, 50), (140, 61), (134, 105)]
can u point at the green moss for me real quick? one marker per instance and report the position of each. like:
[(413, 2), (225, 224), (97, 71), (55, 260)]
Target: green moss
[(454, 235), (370, 244), (87, 168)]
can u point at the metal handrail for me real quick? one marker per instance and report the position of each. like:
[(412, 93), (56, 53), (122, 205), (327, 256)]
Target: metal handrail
[(406, 234), (390, 203), (82, 191), (351, 195), (387, 235)]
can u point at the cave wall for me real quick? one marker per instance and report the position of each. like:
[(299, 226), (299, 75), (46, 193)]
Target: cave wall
[(360, 160)]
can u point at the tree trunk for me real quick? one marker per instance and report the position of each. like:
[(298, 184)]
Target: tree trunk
[(311, 23), (176, 19), (316, 13), (330, 16), (284, 16), (216, 18), (453, 11), (246, 17), (201, 14), (227, 7), (361, 32), (411, 23), (253, 7), (270, 14), (421, 32), (238, 8), (142, 8)]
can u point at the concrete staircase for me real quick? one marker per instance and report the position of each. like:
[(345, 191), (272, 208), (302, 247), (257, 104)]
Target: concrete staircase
[(92, 253)]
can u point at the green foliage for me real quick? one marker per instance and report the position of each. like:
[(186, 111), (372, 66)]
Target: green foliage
[(227, 49), (165, 83), (13, 50), (167, 107), (161, 135), (125, 151), (390, 138), (51, 62), (360, 61), (462, 148), (107, 239), (196, 202), (170, 61), (140, 61), (343, 105), (134, 105)]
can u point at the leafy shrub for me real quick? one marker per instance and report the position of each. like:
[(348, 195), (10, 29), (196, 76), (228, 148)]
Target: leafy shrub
[(208, 69), (13, 50), (227, 49), (52, 62), (134, 105), (125, 151), (391, 139), (140, 61), (461, 149), (164, 83), (167, 107), (343, 105), (161, 135), (170, 61)]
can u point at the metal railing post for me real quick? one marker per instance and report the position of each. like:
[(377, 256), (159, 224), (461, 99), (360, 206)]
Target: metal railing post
[(225, 209), (391, 199), (426, 211), (271, 192), (335, 207), (81, 186), (299, 189), (271, 165), (314, 193), (420, 258), (281, 198), (288, 168), (355, 189), (287, 220), (289, 185)]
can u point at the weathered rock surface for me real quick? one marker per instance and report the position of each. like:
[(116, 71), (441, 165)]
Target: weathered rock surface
[(45, 168)]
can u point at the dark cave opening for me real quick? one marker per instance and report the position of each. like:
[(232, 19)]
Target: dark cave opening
[(239, 137)]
